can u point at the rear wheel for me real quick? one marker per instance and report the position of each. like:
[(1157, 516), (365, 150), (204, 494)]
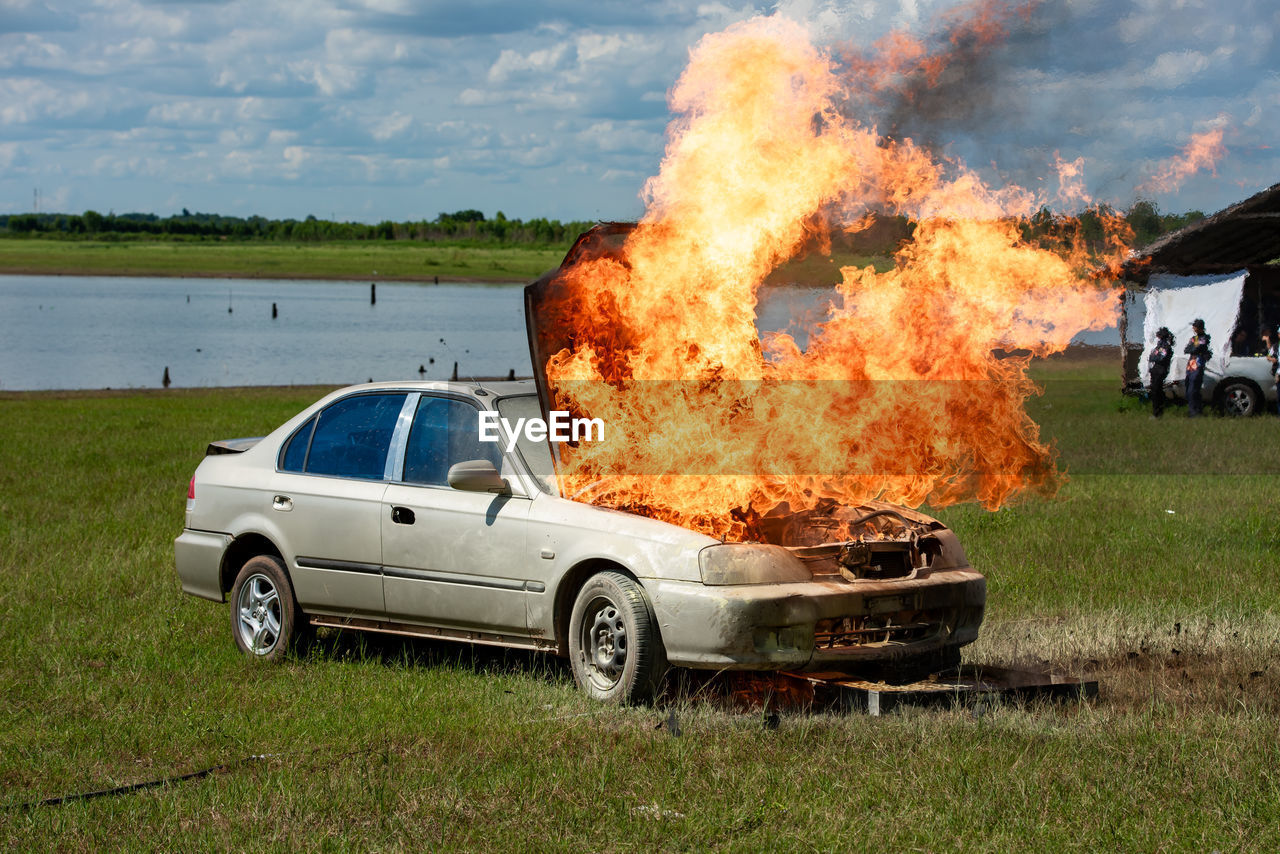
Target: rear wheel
[(614, 647), (1239, 399), (264, 614)]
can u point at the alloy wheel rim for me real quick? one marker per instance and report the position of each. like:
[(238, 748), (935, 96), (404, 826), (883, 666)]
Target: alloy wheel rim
[(1238, 401), (258, 608)]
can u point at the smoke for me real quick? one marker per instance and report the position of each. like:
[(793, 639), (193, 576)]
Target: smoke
[(1005, 86)]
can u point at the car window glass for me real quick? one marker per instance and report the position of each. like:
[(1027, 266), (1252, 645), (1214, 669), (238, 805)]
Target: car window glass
[(294, 455), (445, 431), (536, 454), (352, 436)]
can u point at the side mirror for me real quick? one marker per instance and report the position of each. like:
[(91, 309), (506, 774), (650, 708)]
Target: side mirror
[(477, 476)]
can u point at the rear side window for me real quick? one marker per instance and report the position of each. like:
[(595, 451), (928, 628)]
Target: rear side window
[(350, 438), (294, 455)]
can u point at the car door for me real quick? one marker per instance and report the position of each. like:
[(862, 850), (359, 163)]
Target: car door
[(327, 502), (452, 558)]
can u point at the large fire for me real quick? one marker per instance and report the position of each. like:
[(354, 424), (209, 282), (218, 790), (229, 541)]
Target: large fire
[(896, 395)]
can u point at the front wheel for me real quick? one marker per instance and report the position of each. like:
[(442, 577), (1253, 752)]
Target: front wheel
[(264, 614), (614, 647)]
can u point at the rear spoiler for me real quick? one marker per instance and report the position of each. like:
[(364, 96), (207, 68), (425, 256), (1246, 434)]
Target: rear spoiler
[(230, 446)]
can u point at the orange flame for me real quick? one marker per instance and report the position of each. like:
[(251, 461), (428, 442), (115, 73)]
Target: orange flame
[(1203, 152), (897, 395), (1070, 180)]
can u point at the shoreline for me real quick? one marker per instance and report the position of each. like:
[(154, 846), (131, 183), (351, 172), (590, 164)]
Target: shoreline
[(284, 277), (1076, 355), (325, 388)]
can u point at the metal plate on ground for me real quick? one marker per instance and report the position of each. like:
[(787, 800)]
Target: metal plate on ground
[(965, 685)]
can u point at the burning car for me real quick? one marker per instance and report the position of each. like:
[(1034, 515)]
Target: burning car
[(381, 507)]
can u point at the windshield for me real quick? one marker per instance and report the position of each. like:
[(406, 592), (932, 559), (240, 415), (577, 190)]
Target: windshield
[(536, 455)]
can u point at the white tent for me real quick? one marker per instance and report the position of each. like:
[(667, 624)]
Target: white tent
[(1175, 301)]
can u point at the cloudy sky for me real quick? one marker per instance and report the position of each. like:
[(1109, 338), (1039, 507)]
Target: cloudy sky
[(401, 109)]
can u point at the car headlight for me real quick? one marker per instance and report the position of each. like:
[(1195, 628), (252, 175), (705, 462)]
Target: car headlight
[(750, 563)]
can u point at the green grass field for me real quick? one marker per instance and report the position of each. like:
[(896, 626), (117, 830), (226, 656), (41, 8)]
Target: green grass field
[(1154, 568), (366, 260), (356, 260)]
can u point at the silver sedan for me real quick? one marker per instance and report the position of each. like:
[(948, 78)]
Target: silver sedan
[(379, 508)]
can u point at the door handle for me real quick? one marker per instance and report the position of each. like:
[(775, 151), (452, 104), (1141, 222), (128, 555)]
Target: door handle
[(402, 516), (282, 502)]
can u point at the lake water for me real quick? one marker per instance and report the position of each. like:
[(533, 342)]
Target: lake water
[(72, 332), (100, 332)]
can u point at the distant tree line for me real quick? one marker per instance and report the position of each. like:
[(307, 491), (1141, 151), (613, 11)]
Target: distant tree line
[(885, 234), (882, 236), (1142, 217), (469, 226)]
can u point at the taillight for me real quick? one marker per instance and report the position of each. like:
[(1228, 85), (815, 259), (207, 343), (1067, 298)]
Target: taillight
[(191, 488)]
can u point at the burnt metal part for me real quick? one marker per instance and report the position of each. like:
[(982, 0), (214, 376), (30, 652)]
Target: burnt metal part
[(866, 629), (967, 685), (879, 560)]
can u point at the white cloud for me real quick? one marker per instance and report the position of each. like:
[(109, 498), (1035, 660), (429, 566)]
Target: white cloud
[(10, 155), (391, 126), (26, 101), (596, 46), (137, 96), (615, 136), (294, 157), (331, 78), (511, 63), (1176, 68), (348, 44), (32, 51), (187, 114)]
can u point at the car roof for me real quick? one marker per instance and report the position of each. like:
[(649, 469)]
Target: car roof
[(497, 388)]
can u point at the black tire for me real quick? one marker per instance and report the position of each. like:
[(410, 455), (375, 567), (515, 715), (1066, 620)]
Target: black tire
[(614, 647), (264, 614), (1239, 399)]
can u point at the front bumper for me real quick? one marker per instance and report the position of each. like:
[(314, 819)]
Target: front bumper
[(818, 625)]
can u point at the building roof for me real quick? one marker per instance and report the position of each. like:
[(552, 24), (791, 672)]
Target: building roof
[(1242, 235)]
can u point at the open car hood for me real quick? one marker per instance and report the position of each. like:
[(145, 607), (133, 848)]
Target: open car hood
[(821, 530), (546, 299)]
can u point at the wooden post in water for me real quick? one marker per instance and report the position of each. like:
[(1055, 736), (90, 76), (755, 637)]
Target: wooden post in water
[(274, 312), (511, 374), (166, 379), (373, 294), (454, 378)]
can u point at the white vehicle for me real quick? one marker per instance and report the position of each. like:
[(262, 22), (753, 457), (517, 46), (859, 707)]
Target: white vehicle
[(1238, 378)]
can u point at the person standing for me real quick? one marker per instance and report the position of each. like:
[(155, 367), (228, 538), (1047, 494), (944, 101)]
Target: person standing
[(1272, 339), (1158, 368), (1198, 351)]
